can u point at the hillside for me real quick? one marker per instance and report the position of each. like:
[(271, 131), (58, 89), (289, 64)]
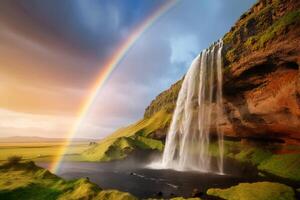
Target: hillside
[(137, 136), (25, 180)]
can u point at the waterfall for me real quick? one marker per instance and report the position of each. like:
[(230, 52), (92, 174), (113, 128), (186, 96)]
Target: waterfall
[(197, 116)]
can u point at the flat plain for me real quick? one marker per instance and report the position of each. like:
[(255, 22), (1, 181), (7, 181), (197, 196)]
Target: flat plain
[(41, 151)]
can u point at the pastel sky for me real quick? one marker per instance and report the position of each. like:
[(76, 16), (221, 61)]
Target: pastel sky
[(51, 51)]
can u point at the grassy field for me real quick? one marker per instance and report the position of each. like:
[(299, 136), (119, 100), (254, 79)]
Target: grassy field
[(41, 151)]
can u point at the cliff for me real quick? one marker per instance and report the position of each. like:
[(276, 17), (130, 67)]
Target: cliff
[(261, 80), (261, 57)]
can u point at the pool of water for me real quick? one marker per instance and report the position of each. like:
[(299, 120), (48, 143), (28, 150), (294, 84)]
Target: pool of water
[(132, 175)]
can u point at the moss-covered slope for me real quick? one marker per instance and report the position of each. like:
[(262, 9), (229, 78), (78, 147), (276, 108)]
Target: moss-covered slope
[(283, 165), (165, 100), (25, 180), (255, 191), (277, 159), (125, 140), (264, 23)]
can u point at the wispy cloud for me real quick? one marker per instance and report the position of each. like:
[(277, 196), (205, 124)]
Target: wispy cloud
[(49, 61), (17, 123), (183, 49)]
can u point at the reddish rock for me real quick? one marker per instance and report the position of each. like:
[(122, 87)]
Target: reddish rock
[(262, 86)]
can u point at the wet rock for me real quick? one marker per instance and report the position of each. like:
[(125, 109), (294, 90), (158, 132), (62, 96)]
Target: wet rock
[(159, 194), (197, 193)]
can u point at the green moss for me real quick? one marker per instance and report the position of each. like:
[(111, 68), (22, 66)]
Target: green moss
[(231, 55), (249, 25), (258, 26), (118, 150), (181, 198), (114, 195), (255, 191), (31, 192), (254, 155), (164, 101), (148, 143), (228, 37), (250, 42), (25, 180), (126, 140), (262, 156), (80, 189), (277, 28), (283, 165), (86, 190), (245, 20)]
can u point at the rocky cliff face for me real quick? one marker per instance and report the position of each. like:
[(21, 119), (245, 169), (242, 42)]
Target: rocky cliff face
[(261, 74)]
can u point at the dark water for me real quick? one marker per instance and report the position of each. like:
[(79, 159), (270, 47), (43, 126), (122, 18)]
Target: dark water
[(132, 176)]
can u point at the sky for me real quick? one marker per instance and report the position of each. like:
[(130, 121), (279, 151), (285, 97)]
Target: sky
[(51, 52)]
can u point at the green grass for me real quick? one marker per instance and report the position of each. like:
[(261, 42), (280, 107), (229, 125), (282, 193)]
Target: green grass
[(241, 25), (147, 143), (125, 140), (177, 198), (255, 191), (27, 181), (264, 157), (277, 28), (45, 151), (253, 155), (283, 165), (256, 29), (164, 101), (114, 195)]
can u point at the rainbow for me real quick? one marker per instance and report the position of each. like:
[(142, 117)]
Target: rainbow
[(104, 74)]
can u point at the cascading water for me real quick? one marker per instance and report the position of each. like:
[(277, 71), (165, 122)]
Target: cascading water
[(197, 115)]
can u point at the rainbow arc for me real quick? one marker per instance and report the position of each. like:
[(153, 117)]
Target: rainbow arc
[(104, 74)]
